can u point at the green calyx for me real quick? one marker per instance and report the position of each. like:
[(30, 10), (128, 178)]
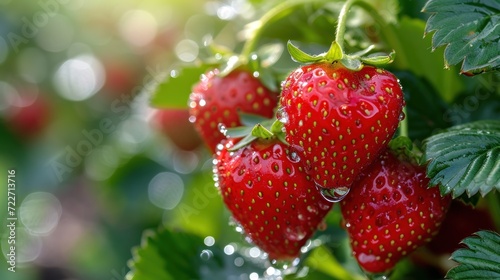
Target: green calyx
[(336, 52), (254, 128), (403, 148)]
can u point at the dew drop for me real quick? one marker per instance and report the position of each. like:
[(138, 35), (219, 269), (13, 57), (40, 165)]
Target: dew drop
[(380, 182), (174, 73), (294, 157), (256, 74), (285, 264), (282, 115), (202, 102), (334, 194), (401, 116), (209, 241), (237, 226), (222, 128), (229, 249), (206, 255), (254, 252), (295, 234), (311, 209), (347, 225)]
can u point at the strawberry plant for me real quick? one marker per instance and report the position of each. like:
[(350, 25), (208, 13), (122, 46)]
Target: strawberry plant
[(336, 155)]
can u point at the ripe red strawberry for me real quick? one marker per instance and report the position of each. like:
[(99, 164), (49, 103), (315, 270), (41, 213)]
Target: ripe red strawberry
[(174, 123), (460, 222), (31, 118), (270, 196), (390, 212), (218, 100), (338, 119)]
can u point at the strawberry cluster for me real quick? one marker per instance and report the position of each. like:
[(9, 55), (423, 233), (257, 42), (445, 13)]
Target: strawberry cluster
[(327, 141)]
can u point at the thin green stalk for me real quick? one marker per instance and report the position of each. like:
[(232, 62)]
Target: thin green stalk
[(339, 34), (387, 30), (274, 14), (403, 127)]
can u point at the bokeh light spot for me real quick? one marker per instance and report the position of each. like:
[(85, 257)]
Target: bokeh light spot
[(165, 190), (138, 27), (79, 78), (57, 35), (40, 212), (187, 50)]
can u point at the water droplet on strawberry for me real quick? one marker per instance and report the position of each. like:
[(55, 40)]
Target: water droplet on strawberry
[(294, 157), (347, 225), (295, 234), (334, 194), (401, 116), (256, 74), (282, 116), (311, 209), (237, 226), (222, 128), (285, 264), (380, 182)]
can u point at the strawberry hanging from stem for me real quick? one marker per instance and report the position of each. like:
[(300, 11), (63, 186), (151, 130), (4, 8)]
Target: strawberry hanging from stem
[(268, 193), (339, 112)]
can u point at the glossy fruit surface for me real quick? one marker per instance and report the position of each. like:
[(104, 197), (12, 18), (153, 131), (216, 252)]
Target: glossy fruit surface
[(390, 212), (217, 101), (270, 197), (338, 120)]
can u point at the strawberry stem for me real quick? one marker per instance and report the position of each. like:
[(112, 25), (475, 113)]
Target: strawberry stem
[(403, 127), (339, 36), (273, 14)]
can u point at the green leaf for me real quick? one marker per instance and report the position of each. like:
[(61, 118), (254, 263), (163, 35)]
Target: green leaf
[(174, 90), (465, 158), (165, 254), (261, 132), (378, 59), (481, 258), (238, 132), (299, 56), (469, 29), (335, 52)]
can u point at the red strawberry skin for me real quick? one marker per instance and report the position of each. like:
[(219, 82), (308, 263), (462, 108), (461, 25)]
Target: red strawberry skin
[(339, 119), (390, 212), (218, 100), (174, 123), (271, 197)]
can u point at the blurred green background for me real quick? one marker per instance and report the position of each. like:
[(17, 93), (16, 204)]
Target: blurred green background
[(92, 169)]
